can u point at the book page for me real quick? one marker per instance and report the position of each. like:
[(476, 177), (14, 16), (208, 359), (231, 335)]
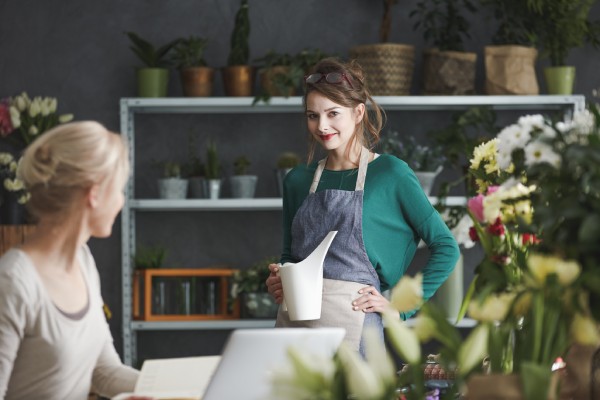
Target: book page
[(174, 378)]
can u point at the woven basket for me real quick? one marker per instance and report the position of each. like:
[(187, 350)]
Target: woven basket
[(388, 67), (448, 72)]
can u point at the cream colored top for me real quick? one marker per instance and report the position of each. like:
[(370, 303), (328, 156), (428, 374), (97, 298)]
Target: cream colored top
[(47, 354)]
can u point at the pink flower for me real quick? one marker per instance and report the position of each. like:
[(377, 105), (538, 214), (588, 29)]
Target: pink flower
[(6, 127), (475, 205), (492, 189)]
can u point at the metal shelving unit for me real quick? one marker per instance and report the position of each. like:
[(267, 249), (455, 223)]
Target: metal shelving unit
[(129, 107)]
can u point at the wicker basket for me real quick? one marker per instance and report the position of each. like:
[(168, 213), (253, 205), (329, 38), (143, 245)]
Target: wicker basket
[(387, 66)]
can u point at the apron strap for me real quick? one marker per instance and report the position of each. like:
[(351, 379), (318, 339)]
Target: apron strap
[(360, 179)]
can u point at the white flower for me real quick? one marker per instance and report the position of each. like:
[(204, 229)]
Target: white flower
[(13, 185), (541, 266), (53, 105), (64, 118), (363, 382), (44, 107), (532, 121), (33, 130), (504, 159), (513, 137), (20, 103), (548, 132), (473, 349), (378, 357), (407, 295), (537, 152), (425, 328), (403, 338), (15, 117), (461, 232), (35, 108), (6, 158)]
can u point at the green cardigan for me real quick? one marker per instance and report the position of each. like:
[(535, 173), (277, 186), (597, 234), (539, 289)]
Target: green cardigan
[(396, 215)]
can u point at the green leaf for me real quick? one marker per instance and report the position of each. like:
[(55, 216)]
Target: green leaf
[(589, 231), (535, 379)]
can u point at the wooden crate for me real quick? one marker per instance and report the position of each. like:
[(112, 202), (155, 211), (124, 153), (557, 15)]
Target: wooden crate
[(12, 235), (161, 295)]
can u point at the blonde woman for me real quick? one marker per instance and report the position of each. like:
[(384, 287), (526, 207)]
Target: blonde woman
[(55, 343)]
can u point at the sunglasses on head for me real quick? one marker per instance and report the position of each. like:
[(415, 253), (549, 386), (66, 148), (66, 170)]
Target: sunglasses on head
[(332, 77)]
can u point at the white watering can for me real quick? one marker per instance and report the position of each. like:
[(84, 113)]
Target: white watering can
[(303, 283)]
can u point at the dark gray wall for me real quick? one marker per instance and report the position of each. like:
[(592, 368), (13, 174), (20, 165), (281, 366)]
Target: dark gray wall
[(76, 51)]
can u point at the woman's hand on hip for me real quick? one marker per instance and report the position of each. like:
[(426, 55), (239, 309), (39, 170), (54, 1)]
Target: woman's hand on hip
[(274, 283), (370, 300)]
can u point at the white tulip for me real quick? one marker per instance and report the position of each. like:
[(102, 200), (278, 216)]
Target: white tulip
[(403, 338), (407, 295), (34, 108), (53, 104), (6, 158), (473, 349), (65, 118), (363, 383), (33, 130), (15, 117), (44, 107), (21, 103), (13, 185)]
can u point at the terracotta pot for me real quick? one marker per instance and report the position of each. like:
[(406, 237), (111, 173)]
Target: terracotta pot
[(267, 77), (197, 81), (238, 80)]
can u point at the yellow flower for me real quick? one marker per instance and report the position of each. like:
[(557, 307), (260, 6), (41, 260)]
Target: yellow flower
[(522, 304), (407, 295), (494, 307), (425, 328), (485, 152), (584, 330), (541, 266)]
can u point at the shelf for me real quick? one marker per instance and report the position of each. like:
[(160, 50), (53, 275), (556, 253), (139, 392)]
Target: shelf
[(210, 105), (264, 204), (202, 325), (241, 324)]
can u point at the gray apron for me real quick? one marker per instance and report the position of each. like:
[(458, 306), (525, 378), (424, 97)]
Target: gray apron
[(347, 267)]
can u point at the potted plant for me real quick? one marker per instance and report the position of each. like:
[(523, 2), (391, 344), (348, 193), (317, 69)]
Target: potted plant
[(279, 75), (238, 76), (152, 79), (447, 68), (213, 170), (172, 185), (243, 186), (389, 66), (196, 77), (510, 60), (285, 162), (562, 25), (250, 284), (426, 161), (195, 171)]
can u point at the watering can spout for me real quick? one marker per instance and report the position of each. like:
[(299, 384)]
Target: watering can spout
[(303, 283)]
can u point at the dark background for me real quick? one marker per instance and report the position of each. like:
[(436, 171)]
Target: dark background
[(76, 51)]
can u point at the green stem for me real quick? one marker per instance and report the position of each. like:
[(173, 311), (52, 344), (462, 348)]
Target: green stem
[(538, 325)]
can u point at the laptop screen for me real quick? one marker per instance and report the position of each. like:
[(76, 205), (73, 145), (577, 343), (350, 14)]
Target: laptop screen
[(252, 355)]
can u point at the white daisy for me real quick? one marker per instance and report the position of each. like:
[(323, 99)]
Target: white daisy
[(538, 152)]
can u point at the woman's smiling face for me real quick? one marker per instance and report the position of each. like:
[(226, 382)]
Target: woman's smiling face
[(331, 124)]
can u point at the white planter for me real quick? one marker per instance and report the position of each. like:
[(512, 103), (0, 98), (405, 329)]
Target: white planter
[(427, 179), (243, 186), (172, 188), (214, 188)]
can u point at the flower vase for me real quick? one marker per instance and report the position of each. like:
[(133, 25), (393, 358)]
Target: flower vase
[(11, 211)]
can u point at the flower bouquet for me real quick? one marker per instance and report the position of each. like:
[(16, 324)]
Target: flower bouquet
[(23, 119)]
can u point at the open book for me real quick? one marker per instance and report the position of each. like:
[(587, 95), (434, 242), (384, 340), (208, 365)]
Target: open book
[(174, 378)]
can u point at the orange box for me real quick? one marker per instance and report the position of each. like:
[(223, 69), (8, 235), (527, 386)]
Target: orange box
[(183, 294)]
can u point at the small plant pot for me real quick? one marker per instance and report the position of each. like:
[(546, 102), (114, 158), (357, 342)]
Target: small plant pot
[(152, 82), (427, 179), (267, 81), (259, 305), (238, 80), (243, 186), (197, 81), (172, 188), (559, 80), (280, 176), (214, 189), (197, 188)]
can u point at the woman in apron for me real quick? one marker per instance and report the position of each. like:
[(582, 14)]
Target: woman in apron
[(375, 202)]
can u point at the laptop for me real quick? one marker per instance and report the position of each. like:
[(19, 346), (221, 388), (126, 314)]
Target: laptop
[(252, 355)]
